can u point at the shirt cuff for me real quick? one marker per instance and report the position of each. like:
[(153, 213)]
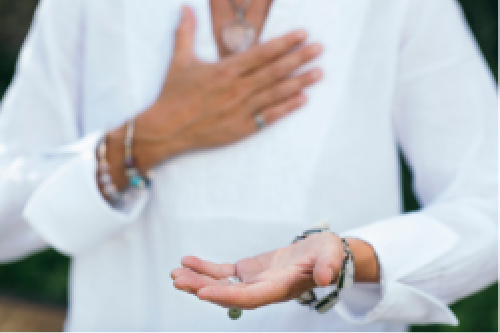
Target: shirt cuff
[(403, 245), (68, 210)]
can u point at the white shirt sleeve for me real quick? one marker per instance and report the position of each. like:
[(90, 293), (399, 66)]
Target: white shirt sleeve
[(48, 191), (445, 121)]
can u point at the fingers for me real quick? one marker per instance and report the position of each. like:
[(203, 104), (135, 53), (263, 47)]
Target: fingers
[(283, 67), (184, 35), (189, 281), (285, 89), (267, 52), (216, 271), (244, 297), (275, 112)]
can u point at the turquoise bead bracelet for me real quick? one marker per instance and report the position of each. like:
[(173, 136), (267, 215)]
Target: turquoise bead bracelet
[(135, 179)]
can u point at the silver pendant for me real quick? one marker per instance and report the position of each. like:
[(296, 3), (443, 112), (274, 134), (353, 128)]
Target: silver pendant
[(238, 36)]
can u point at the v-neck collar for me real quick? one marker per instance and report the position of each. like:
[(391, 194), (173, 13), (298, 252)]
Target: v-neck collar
[(205, 44)]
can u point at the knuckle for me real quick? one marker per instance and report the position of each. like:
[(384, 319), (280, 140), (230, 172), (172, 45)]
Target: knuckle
[(255, 103), (278, 70), (299, 86), (222, 76), (268, 117), (226, 71), (268, 50), (267, 96), (276, 47), (298, 59), (281, 91), (295, 85), (306, 53), (304, 79), (179, 31), (239, 90)]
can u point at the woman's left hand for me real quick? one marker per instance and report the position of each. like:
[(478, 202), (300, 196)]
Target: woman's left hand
[(272, 277)]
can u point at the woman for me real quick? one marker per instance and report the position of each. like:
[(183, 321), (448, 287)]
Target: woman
[(235, 177)]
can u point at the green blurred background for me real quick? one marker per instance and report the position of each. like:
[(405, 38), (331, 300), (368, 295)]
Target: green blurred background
[(43, 277)]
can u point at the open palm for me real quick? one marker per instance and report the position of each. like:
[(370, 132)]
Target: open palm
[(271, 277)]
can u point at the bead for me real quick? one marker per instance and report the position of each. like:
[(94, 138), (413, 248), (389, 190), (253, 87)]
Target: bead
[(110, 189), (306, 297), (116, 197), (105, 178), (130, 172), (103, 166), (129, 162), (135, 181), (234, 313), (102, 149)]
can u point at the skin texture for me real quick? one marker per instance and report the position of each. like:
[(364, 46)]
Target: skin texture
[(276, 276)]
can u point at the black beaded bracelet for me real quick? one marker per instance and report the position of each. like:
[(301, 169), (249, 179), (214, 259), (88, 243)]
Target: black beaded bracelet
[(324, 304)]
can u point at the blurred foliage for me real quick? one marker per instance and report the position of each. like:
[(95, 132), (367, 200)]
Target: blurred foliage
[(44, 276)]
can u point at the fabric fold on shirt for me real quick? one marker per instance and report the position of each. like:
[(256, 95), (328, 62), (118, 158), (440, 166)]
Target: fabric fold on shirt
[(72, 221), (391, 238)]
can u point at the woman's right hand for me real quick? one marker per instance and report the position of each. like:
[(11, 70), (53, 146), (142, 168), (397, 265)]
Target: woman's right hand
[(204, 105)]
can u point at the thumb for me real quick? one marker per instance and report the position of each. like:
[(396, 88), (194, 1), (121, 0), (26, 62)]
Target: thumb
[(327, 265), (184, 35)]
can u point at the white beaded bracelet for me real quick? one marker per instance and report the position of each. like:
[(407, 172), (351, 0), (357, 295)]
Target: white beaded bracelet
[(110, 191)]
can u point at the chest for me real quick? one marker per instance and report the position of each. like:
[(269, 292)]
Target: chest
[(274, 173), (128, 46)]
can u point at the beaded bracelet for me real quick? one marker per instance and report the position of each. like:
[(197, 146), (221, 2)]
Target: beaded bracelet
[(344, 278), (110, 191), (135, 180)]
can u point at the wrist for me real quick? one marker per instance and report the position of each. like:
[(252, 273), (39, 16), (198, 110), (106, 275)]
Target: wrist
[(115, 155), (367, 267), (153, 143)]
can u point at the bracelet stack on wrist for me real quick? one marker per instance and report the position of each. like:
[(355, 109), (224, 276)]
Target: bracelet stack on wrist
[(135, 181), (109, 189), (344, 279)]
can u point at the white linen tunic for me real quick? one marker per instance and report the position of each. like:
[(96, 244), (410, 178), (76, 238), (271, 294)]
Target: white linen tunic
[(396, 72)]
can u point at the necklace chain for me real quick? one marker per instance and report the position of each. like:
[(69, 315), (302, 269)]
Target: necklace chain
[(239, 11)]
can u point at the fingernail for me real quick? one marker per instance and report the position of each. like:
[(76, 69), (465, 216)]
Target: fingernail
[(301, 99), (332, 276), (301, 34), (316, 49), (316, 74), (183, 12), (202, 293)]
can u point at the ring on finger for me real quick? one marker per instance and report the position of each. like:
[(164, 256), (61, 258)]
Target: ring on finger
[(260, 123)]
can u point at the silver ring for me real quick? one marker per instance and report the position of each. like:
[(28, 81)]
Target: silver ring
[(259, 121), (233, 279), (234, 313)]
